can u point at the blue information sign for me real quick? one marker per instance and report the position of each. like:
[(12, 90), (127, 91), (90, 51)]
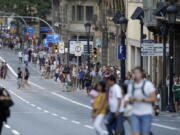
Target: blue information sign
[(121, 52), (53, 38), (30, 30)]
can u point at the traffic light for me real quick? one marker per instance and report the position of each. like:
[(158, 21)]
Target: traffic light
[(95, 52), (56, 48)]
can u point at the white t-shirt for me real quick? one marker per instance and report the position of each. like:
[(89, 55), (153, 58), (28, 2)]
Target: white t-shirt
[(115, 92), (20, 54), (26, 57), (141, 108)]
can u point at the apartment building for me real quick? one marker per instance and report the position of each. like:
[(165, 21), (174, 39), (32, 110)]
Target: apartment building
[(69, 17)]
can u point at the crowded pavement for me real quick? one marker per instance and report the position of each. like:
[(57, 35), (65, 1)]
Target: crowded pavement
[(46, 106), (89, 67)]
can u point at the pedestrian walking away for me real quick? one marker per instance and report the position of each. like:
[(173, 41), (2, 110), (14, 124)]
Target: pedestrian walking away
[(26, 75), (19, 78)]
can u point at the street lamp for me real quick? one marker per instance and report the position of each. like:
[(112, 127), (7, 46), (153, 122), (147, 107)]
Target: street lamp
[(139, 15), (123, 21), (171, 14), (87, 26), (161, 11)]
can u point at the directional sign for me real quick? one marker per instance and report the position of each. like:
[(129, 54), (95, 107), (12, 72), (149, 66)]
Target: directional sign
[(151, 54), (30, 31), (146, 45), (53, 38)]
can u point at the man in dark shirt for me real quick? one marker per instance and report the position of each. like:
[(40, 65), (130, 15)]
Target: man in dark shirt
[(19, 77)]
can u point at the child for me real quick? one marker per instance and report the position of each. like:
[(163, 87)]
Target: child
[(93, 94)]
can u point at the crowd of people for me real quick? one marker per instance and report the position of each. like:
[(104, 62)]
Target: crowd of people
[(112, 101), (116, 103)]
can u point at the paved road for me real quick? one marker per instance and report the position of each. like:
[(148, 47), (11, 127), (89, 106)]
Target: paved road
[(44, 109)]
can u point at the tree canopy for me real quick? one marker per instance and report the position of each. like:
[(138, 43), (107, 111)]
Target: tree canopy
[(40, 8)]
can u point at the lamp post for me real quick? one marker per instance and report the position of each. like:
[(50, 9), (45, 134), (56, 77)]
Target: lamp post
[(139, 15), (123, 25), (171, 12), (164, 91), (88, 31)]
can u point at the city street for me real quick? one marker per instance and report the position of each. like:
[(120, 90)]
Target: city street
[(44, 109)]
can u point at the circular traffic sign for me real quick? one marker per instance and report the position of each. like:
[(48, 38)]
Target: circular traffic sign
[(78, 49)]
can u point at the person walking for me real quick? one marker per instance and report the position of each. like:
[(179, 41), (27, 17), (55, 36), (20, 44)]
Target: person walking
[(26, 76), (5, 70), (5, 104), (20, 56), (81, 78), (176, 90), (116, 107), (100, 108), (141, 94), (26, 58), (19, 77)]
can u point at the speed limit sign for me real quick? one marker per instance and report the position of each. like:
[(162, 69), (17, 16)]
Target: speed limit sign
[(78, 49)]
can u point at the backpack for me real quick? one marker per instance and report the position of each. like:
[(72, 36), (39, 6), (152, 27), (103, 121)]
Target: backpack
[(5, 104), (142, 88)]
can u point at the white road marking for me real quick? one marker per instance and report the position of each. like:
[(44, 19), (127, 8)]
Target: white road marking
[(27, 102), (33, 105), (7, 126), (88, 126), (64, 118), (54, 114), (70, 100), (45, 111), (17, 96), (14, 73), (15, 132), (166, 127), (75, 122), (39, 108)]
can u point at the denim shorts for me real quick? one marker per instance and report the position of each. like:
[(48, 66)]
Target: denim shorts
[(141, 123)]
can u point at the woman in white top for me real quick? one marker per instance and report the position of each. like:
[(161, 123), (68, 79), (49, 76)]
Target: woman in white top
[(141, 94)]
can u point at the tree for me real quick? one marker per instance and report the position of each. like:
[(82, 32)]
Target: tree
[(40, 8)]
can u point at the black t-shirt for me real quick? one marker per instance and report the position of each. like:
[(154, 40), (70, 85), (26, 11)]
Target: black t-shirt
[(19, 74)]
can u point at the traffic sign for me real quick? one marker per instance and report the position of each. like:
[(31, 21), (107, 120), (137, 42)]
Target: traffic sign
[(53, 38), (61, 47), (146, 45), (121, 52), (83, 44), (30, 31), (78, 49)]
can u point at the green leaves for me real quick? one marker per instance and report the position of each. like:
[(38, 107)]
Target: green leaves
[(38, 8)]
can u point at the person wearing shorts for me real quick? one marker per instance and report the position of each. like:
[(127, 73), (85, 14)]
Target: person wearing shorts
[(141, 94)]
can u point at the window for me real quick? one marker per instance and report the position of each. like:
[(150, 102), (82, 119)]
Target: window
[(80, 13), (73, 13), (89, 13)]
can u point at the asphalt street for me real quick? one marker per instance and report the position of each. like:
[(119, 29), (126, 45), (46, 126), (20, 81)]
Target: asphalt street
[(45, 109)]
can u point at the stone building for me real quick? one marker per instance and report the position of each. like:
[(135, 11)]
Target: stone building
[(69, 17)]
